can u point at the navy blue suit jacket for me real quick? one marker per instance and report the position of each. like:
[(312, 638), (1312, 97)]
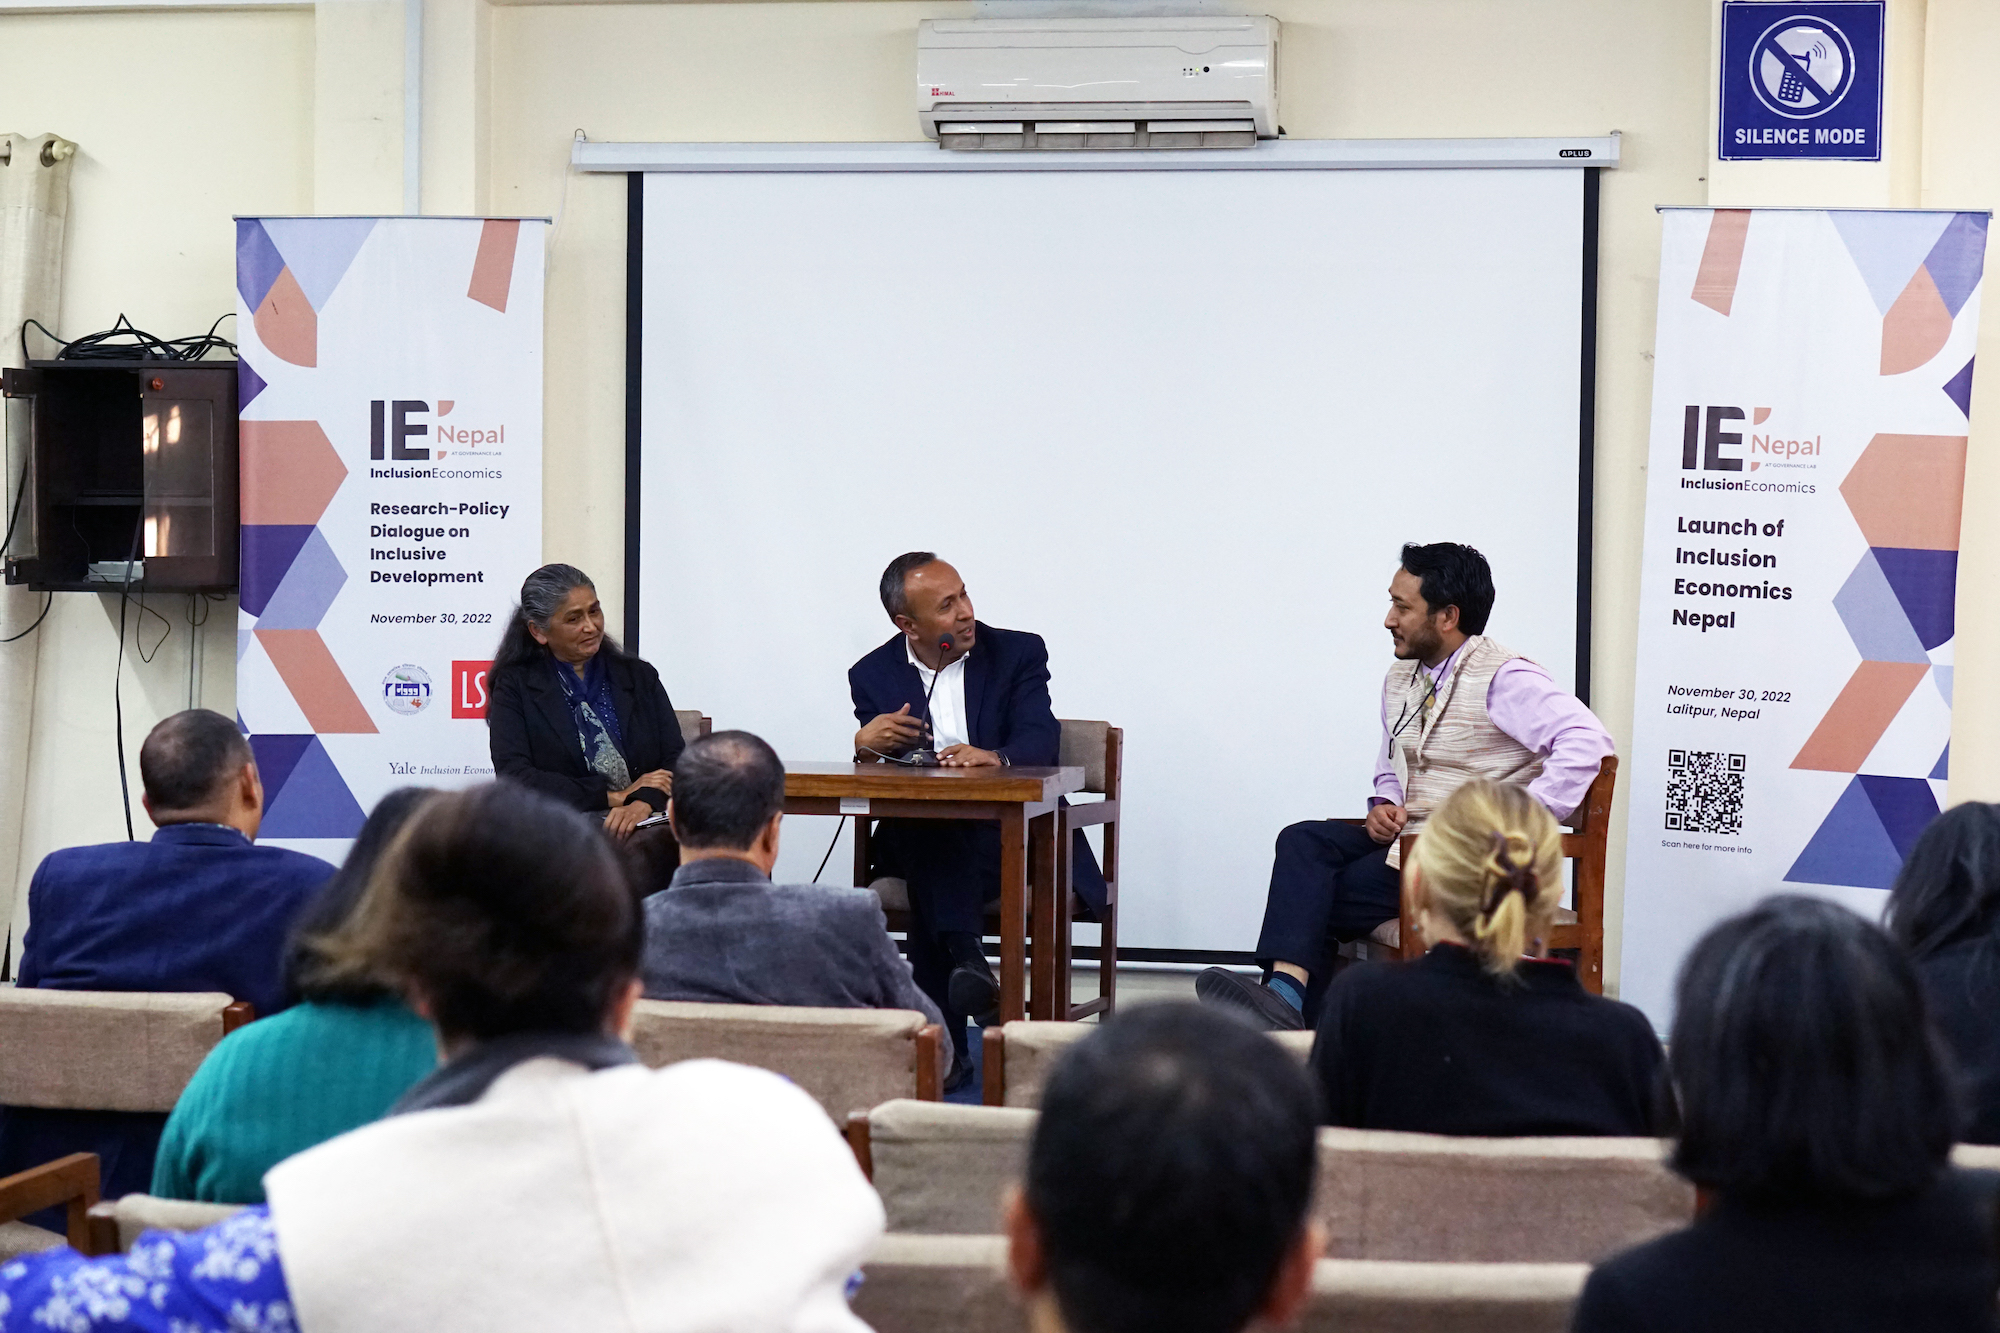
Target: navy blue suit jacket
[(197, 908), (1007, 708)]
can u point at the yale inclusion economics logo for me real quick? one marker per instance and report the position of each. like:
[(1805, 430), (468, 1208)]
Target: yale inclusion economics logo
[(407, 690)]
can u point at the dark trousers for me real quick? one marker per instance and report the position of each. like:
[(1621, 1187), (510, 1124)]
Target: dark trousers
[(126, 1142), (953, 869), (1330, 882)]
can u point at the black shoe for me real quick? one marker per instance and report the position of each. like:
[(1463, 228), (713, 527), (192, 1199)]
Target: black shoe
[(961, 1077), (974, 992), (1259, 1003)]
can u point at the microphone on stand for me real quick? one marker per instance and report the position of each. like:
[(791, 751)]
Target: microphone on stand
[(926, 757)]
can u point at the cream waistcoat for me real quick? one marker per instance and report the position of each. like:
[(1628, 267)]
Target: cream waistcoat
[(1458, 742)]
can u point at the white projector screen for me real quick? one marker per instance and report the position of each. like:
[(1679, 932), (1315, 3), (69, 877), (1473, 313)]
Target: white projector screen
[(1177, 422)]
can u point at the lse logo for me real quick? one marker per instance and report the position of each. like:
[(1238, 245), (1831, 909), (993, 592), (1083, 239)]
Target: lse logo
[(468, 688)]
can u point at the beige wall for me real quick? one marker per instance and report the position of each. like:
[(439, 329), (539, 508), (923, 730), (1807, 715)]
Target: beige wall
[(506, 87), (181, 120)]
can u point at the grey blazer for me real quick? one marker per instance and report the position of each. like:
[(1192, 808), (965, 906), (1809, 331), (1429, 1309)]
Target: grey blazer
[(722, 933)]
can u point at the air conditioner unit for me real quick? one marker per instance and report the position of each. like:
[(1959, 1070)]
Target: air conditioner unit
[(1098, 83)]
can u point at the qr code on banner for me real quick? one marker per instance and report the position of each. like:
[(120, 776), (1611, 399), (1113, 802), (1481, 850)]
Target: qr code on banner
[(1704, 791)]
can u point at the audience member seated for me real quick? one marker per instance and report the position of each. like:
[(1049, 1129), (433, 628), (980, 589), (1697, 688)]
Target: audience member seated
[(551, 1181), (1168, 1181), (1945, 911), (199, 907), (1817, 1120), (1474, 1038), (723, 933), (337, 1058)]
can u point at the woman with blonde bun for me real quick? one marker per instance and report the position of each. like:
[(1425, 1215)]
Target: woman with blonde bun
[(1483, 1035)]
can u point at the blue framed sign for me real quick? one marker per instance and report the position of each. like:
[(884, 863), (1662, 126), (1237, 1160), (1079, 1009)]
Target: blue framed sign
[(1801, 80)]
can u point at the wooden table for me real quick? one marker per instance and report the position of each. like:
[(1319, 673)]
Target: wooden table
[(1021, 800)]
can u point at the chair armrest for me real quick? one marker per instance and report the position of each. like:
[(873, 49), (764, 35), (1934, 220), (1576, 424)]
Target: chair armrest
[(1358, 823), (859, 1142), (931, 1048), (1093, 812), (237, 1015), (102, 1221), (70, 1180)]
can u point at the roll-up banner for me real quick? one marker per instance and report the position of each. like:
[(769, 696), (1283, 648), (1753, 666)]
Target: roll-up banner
[(391, 394), (1811, 385)]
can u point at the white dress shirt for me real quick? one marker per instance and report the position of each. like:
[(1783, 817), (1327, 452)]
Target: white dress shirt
[(947, 716)]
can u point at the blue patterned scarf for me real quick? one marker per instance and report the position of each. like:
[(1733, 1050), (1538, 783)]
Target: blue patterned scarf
[(596, 717)]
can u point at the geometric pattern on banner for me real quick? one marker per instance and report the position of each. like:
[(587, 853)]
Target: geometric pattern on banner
[(1721, 259), (1908, 490), (1874, 616), (290, 471), (1942, 675), (1916, 327), (277, 755), (315, 681), (314, 802), (1888, 248), (268, 551), (1865, 837), (286, 322), (258, 262), (1942, 772), (1850, 846), (1959, 389), (1920, 269), (1860, 714), (248, 384), (493, 263), (1957, 260), (1926, 585), (318, 251), (308, 588)]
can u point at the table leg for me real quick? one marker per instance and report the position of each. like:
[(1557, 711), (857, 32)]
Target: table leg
[(1013, 913), (1042, 974)]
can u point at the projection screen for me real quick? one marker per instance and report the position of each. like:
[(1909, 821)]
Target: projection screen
[(1179, 423)]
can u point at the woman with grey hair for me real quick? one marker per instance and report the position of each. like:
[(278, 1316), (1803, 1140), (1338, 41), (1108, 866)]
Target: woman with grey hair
[(572, 715)]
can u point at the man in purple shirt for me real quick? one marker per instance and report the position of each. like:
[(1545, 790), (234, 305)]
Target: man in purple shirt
[(1455, 706)]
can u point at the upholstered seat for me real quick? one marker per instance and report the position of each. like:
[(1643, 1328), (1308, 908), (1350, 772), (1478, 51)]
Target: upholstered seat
[(848, 1059), (1018, 1057)]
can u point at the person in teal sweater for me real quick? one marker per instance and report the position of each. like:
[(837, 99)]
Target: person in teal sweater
[(334, 1061)]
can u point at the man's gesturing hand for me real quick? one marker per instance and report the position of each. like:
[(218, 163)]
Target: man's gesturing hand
[(890, 732), (1385, 821)]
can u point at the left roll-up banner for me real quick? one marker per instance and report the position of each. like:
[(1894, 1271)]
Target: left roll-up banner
[(391, 391)]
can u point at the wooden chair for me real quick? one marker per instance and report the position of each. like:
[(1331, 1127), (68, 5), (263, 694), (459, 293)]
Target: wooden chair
[(694, 723), (70, 1181), (1579, 927), (940, 1167), (1098, 749), (847, 1059), (1016, 1058)]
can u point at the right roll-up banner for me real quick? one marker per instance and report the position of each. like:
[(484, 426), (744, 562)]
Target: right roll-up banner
[(1811, 384)]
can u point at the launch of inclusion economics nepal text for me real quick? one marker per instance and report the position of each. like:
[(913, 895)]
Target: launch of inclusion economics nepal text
[(1811, 387), (391, 390)]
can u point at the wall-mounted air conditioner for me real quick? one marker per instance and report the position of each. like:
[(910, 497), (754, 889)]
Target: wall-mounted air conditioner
[(1098, 83)]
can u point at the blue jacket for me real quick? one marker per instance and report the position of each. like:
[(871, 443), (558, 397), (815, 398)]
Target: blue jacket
[(1007, 709), (199, 907)]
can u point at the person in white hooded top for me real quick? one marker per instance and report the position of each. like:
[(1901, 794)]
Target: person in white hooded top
[(541, 1178)]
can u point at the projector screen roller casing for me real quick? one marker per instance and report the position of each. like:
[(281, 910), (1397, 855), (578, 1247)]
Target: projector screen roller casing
[(1179, 423)]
